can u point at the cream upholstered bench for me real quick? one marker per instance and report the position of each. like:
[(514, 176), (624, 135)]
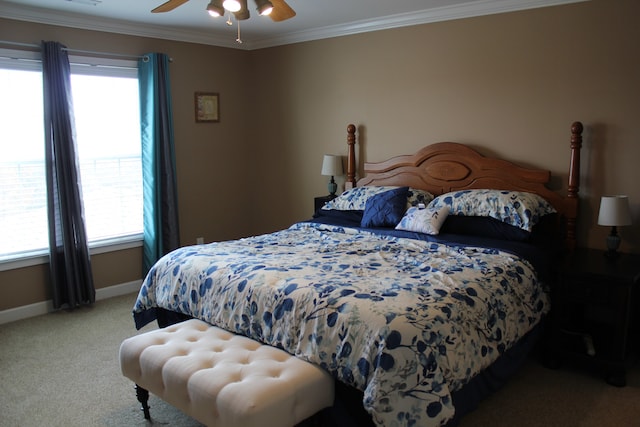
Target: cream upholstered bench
[(223, 379)]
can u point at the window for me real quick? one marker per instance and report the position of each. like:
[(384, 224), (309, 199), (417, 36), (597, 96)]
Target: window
[(107, 121), (107, 118)]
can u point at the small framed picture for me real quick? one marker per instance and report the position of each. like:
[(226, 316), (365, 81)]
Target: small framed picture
[(207, 107)]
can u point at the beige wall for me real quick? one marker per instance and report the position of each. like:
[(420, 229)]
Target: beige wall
[(508, 84)]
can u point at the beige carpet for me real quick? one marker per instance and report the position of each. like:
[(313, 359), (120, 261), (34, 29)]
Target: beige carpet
[(62, 369)]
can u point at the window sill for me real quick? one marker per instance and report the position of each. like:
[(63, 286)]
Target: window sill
[(95, 248)]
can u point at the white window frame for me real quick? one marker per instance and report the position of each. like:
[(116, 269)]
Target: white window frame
[(27, 60)]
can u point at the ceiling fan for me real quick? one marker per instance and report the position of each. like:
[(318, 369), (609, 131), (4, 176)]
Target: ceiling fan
[(277, 10)]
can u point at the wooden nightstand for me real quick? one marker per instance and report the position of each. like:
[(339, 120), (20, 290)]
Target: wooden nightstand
[(593, 311), (319, 202)]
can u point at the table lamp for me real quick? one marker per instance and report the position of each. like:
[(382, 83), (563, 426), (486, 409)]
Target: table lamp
[(614, 212), (332, 166)]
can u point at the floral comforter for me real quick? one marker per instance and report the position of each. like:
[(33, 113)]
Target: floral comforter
[(406, 321)]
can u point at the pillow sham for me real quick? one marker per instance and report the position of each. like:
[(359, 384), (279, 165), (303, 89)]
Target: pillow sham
[(423, 220), (517, 208), (356, 198), (385, 209)]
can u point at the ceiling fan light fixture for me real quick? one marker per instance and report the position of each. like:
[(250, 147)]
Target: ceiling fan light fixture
[(264, 7), (232, 5), (215, 8)]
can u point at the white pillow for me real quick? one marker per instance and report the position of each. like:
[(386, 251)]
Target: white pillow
[(518, 208), (423, 220), (356, 198)]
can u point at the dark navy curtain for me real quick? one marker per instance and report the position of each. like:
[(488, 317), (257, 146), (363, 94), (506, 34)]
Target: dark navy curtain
[(69, 261), (161, 233)]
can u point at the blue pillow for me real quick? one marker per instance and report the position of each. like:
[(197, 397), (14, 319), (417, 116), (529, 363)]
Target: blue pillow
[(385, 209), (484, 226)]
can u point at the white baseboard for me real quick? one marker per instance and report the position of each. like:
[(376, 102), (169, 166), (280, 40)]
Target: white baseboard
[(117, 290), (44, 307)]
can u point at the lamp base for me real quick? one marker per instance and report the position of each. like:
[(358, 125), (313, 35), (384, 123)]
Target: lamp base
[(332, 187), (613, 243)]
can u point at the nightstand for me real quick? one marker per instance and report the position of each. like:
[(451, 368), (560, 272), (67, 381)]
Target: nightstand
[(593, 307), (319, 202)]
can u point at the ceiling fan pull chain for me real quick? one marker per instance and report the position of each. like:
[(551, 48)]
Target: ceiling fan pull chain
[(239, 40), (229, 22)]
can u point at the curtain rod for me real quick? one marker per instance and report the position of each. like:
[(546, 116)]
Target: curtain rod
[(86, 52)]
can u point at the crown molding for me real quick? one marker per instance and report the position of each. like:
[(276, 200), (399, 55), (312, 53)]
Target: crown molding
[(467, 10)]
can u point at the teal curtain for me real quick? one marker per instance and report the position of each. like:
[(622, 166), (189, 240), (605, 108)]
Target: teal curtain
[(160, 199), (69, 262)]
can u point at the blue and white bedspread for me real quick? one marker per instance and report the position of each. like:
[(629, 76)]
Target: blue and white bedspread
[(404, 320)]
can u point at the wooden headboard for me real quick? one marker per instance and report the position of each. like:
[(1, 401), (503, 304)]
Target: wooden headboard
[(449, 166)]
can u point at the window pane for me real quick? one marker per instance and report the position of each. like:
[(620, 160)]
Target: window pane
[(107, 119), (23, 211), (107, 122)]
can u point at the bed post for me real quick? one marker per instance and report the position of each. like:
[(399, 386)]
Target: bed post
[(351, 158), (574, 183)]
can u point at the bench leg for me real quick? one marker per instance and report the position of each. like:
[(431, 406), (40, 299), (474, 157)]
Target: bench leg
[(143, 398)]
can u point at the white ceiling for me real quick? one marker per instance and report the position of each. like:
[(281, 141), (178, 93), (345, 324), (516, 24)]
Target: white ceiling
[(315, 19)]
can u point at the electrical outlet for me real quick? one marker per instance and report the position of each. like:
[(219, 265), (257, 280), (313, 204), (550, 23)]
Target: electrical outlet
[(199, 240)]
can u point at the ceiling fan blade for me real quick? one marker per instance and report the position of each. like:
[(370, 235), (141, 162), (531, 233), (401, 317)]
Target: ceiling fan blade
[(168, 6), (243, 13), (281, 11)]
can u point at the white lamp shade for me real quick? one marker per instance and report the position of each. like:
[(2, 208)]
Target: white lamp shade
[(331, 165), (614, 211)]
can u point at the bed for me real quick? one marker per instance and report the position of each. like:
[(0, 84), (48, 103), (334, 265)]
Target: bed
[(420, 288)]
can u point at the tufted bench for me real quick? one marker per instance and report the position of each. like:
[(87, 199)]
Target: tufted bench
[(223, 379)]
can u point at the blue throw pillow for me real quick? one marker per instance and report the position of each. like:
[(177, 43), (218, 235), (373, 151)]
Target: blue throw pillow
[(385, 209)]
